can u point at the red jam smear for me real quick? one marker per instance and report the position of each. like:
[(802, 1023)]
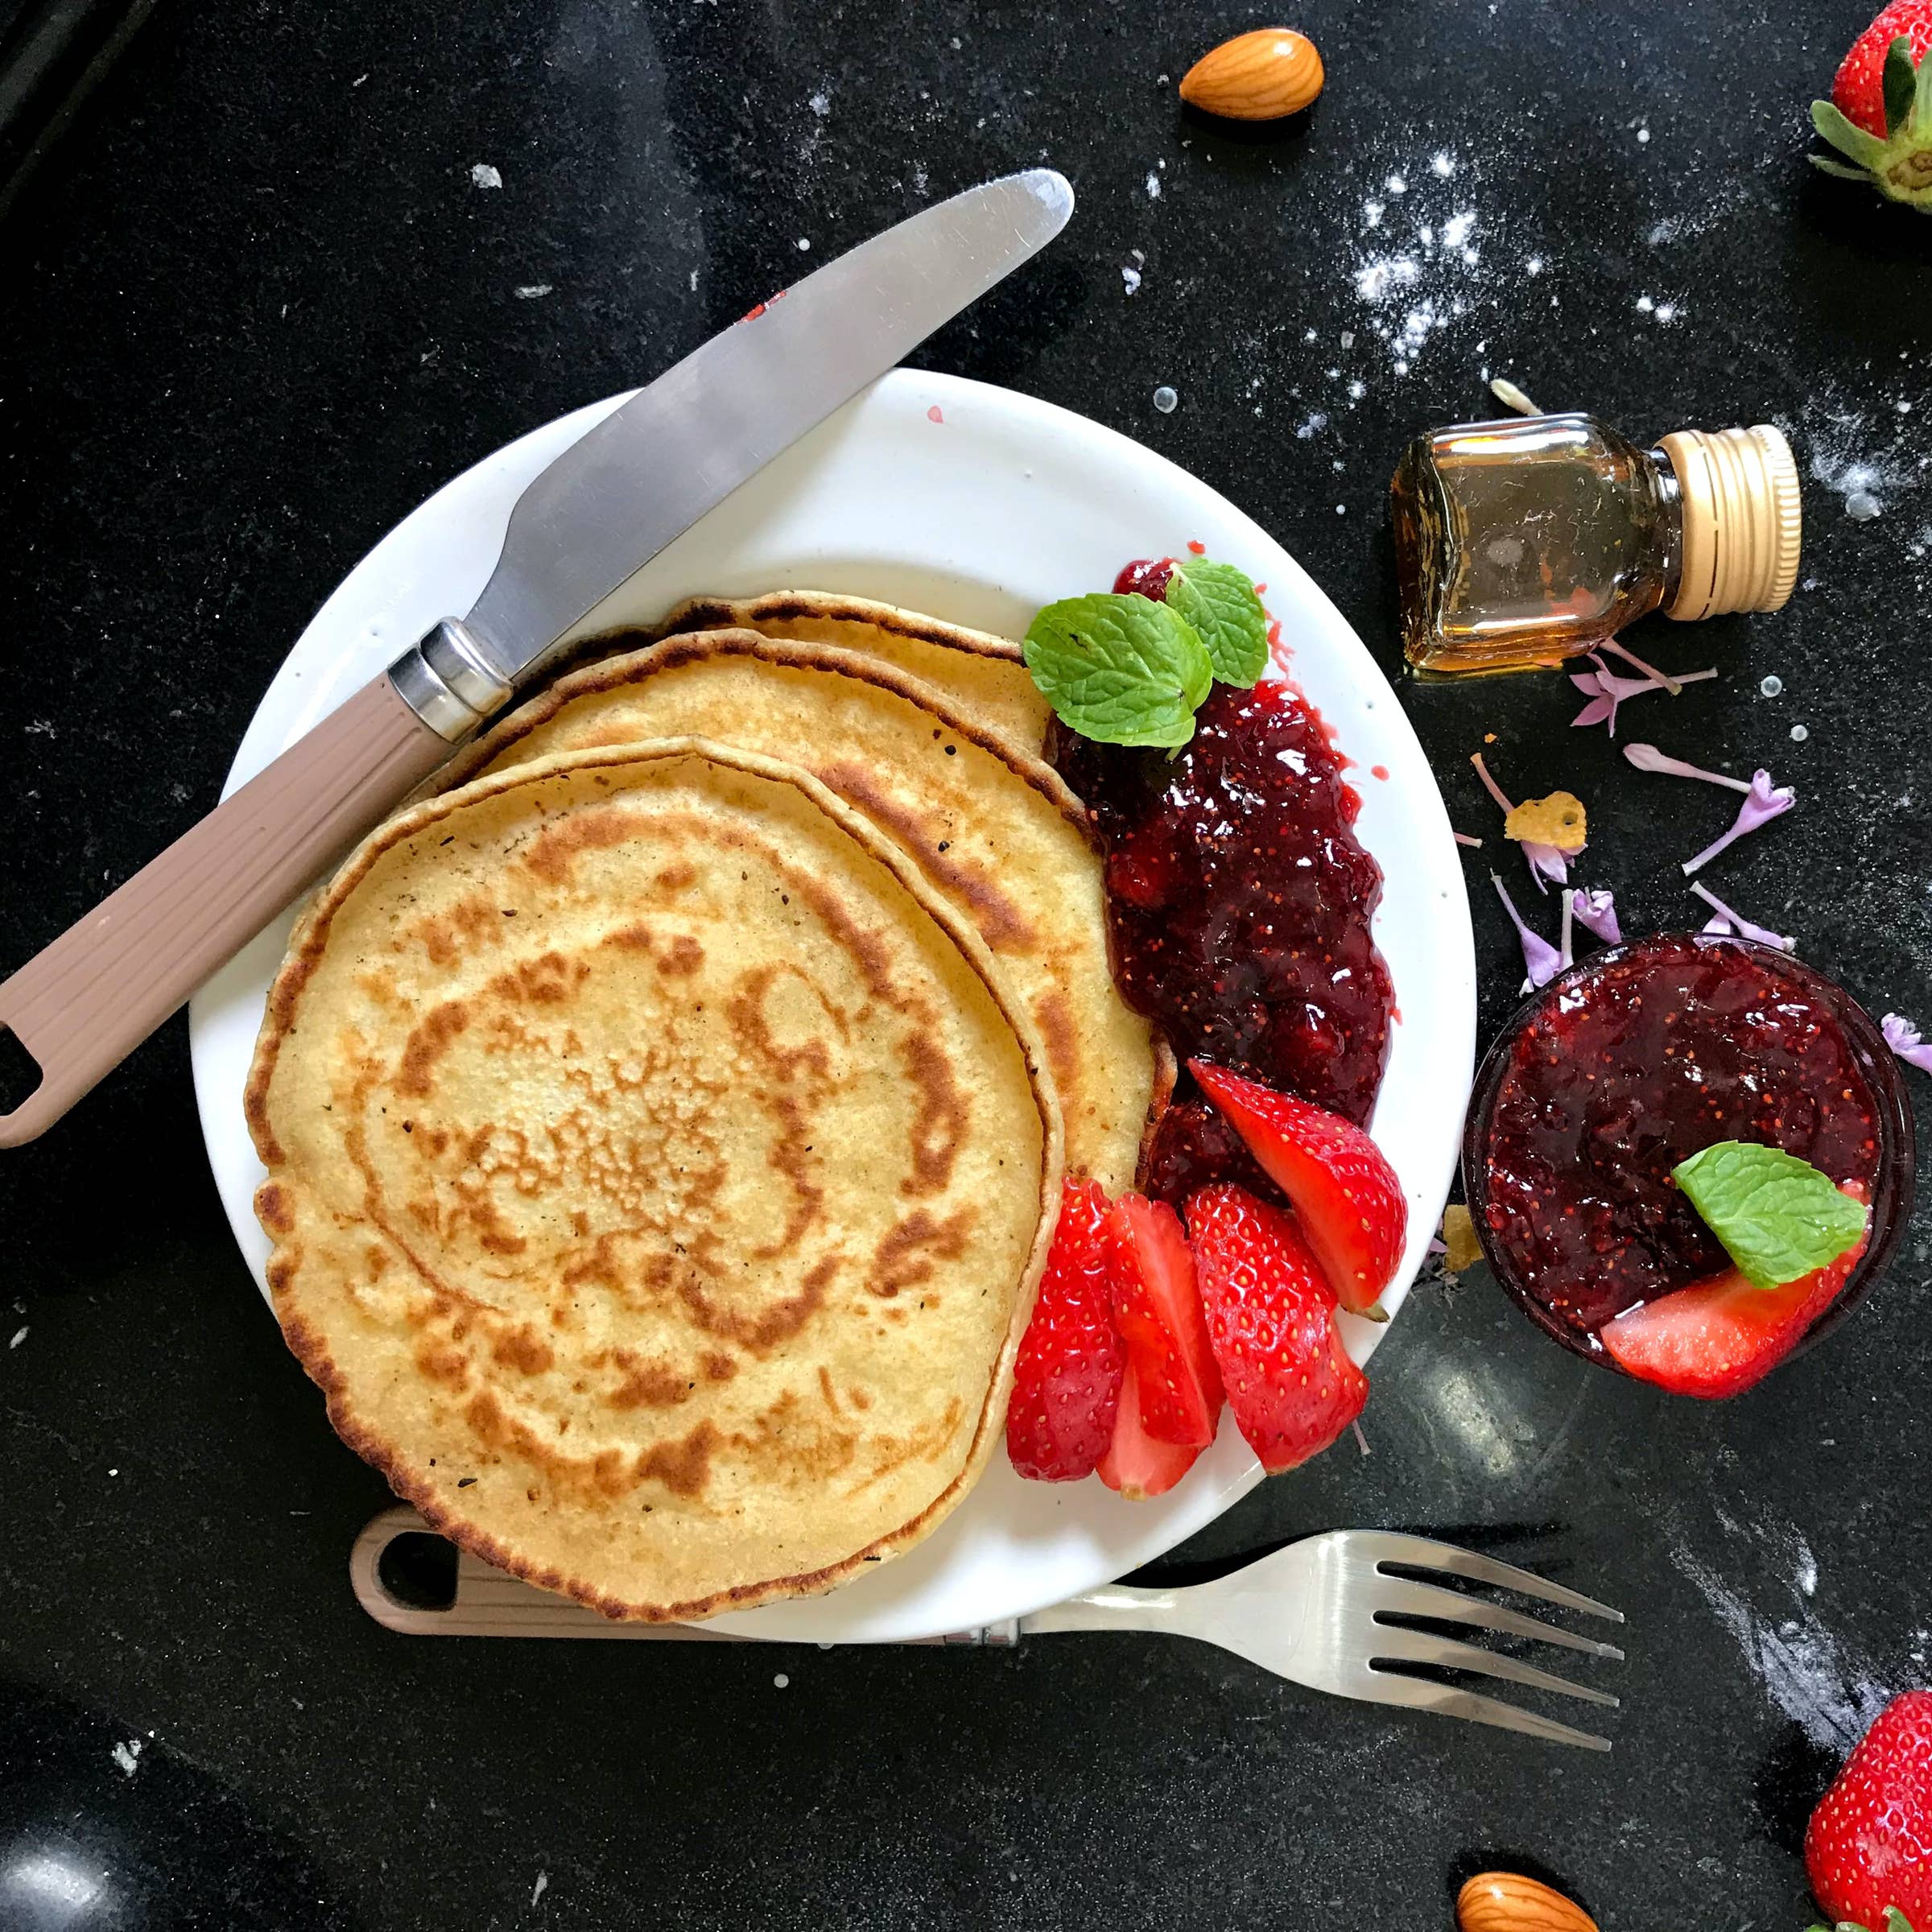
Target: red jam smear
[(1238, 902), (1672, 1044), (1145, 577)]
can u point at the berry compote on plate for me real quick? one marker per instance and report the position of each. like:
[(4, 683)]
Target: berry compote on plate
[(1628, 1064), (1239, 901)]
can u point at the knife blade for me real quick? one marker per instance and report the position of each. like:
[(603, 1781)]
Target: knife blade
[(584, 526)]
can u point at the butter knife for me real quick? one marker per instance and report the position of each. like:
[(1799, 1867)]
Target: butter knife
[(601, 512)]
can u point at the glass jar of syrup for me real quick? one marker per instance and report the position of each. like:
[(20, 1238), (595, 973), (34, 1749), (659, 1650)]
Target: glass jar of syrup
[(1521, 542)]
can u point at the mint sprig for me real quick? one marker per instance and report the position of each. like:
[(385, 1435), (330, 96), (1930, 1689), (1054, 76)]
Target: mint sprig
[(1777, 1216), (1122, 669), (1119, 668), (1220, 603)]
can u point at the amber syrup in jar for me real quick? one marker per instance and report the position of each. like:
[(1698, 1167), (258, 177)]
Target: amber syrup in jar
[(1521, 542)]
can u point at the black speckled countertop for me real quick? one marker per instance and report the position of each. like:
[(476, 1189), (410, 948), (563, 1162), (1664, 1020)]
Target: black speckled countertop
[(259, 307)]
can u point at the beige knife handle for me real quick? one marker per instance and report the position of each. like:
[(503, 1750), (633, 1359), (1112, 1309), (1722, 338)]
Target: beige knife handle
[(83, 1004)]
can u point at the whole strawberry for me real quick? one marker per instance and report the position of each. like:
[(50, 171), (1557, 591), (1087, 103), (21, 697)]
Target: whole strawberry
[(1868, 1847), (1879, 114)]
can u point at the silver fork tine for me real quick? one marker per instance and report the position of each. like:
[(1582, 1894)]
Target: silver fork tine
[(1420, 1695), (1420, 1553), (1412, 1599), (1419, 1647)]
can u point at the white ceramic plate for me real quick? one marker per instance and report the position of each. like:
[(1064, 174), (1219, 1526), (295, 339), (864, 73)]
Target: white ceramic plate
[(980, 505)]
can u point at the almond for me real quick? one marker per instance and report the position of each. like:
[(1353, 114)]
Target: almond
[(1256, 76), (1505, 1901)]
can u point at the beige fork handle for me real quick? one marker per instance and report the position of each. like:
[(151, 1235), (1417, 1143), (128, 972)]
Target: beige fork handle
[(489, 1604), (88, 1001)]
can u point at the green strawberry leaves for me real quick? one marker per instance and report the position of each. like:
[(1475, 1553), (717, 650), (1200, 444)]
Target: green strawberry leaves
[(1867, 150), (1777, 1216), (1120, 668), (1895, 1921), (1899, 163), (1901, 86), (1220, 603)]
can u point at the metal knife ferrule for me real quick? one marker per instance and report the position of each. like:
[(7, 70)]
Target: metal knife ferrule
[(446, 679)]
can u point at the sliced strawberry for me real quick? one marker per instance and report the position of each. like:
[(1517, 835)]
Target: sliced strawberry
[(1290, 1383), (1344, 1192), (1720, 1335), (1135, 1464), (1158, 1310), (1067, 1381)]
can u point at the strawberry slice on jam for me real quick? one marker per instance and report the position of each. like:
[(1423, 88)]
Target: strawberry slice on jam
[(1292, 1386), (1345, 1194), (1723, 1335), (1157, 1308), (1066, 1380), (1136, 1464)]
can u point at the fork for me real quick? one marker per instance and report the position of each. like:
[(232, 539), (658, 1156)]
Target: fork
[(1314, 1612)]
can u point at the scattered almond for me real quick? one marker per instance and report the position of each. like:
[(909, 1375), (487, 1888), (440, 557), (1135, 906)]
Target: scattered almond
[(1260, 76), (1505, 1901), (1459, 1238), (1557, 820)]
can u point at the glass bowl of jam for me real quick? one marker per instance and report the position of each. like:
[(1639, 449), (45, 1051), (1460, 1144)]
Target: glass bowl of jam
[(1636, 1058)]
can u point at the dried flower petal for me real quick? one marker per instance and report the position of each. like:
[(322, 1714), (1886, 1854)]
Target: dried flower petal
[(1539, 956), (1461, 1249), (1559, 820), (1463, 838), (1597, 911), (1903, 1038), (1763, 802), (1745, 928)]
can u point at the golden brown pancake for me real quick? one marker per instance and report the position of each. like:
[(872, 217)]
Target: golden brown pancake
[(659, 1176), (995, 831), (983, 675)]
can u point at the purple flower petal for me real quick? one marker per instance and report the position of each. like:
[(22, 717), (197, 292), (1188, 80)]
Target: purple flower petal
[(1597, 912), (1542, 959), (1903, 1038), (1547, 862), (1611, 690), (1763, 802), (1647, 757), (1762, 934), (1495, 790)]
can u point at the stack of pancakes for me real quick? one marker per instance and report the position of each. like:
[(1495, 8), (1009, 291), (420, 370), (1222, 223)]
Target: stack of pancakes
[(665, 1121)]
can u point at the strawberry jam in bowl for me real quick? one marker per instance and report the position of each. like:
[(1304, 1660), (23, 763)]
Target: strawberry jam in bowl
[(1663, 1093)]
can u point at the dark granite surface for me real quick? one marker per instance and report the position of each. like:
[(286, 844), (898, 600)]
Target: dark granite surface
[(258, 310)]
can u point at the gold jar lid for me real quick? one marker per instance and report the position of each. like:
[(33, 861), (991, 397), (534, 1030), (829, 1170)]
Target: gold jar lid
[(1741, 520)]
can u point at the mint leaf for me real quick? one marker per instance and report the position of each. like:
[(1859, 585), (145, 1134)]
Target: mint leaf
[(1777, 1216), (1220, 602), (1122, 669)]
